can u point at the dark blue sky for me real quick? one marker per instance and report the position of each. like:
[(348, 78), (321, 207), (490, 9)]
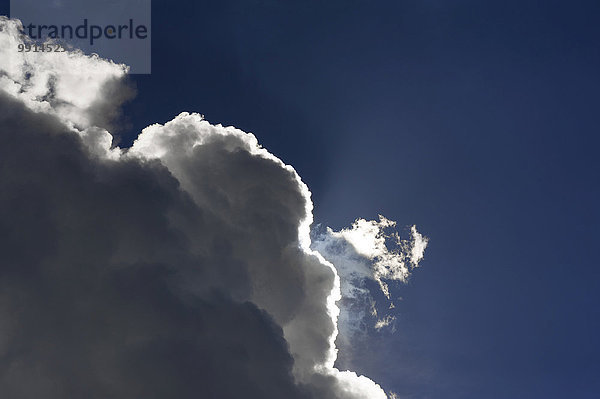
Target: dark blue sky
[(477, 121)]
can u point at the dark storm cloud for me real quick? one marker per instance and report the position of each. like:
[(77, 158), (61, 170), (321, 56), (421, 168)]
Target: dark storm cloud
[(91, 261)]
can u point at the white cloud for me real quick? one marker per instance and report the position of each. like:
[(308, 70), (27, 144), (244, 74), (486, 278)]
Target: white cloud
[(65, 84), (417, 246), (369, 250), (384, 322)]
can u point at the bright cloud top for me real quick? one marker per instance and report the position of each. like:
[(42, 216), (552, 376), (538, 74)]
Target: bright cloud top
[(66, 84)]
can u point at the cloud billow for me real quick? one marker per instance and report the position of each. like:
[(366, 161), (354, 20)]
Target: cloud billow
[(180, 267)]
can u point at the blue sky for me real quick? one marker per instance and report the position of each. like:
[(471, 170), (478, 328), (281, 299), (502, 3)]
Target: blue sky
[(476, 121)]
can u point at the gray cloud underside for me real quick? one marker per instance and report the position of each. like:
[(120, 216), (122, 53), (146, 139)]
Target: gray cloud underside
[(115, 282), (97, 261)]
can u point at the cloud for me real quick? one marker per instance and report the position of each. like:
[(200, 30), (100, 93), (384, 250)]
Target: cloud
[(96, 259), (179, 267), (69, 85), (369, 251)]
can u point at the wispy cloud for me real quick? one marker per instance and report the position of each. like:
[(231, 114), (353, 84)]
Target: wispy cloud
[(370, 250)]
